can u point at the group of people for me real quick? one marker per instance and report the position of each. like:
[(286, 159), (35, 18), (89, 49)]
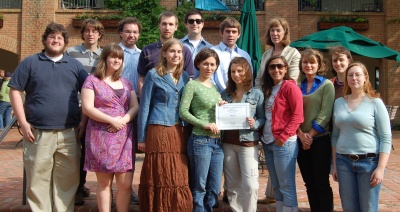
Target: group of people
[(92, 108)]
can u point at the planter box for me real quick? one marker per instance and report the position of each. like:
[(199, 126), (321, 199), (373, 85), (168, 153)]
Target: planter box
[(212, 24), (354, 25), (107, 23), (1, 23)]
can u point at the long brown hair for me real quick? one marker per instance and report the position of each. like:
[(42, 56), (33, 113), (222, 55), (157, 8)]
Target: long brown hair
[(369, 91), (267, 81), (247, 76), (111, 50), (161, 68)]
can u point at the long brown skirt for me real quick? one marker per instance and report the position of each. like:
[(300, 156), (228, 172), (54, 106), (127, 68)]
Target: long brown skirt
[(164, 180)]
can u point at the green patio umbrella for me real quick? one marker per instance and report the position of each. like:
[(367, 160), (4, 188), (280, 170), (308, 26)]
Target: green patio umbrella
[(249, 40), (348, 38)]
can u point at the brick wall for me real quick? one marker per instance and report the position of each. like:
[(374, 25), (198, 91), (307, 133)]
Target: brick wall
[(23, 28)]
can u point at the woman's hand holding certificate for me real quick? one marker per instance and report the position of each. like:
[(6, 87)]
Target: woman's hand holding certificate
[(232, 116)]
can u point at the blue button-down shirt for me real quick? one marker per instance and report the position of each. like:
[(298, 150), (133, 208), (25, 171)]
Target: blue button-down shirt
[(195, 50), (226, 55), (129, 71)]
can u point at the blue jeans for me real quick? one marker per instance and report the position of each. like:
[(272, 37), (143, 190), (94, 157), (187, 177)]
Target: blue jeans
[(5, 114), (281, 164), (355, 190), (205, 173)]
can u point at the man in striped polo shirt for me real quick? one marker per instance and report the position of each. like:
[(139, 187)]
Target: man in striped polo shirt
[(87, 53)]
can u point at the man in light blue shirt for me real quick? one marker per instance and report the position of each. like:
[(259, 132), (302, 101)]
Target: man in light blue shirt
[(227, 50), (194, 23), (129, 30)]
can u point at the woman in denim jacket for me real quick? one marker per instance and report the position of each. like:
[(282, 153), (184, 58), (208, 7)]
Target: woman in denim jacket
[(162, 135), (241, 146), (204, 148), (284, 114)]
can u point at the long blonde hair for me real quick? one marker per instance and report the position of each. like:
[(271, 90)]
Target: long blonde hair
[(162, 66)]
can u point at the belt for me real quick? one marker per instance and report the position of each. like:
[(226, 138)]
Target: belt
[(356, 157)]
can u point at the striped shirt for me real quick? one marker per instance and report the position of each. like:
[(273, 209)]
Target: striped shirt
[(88, 58)]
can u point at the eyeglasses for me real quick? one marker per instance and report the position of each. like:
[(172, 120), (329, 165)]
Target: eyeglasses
[(274, 66), (93, 31), (130, 32), (198, 21), (358, 76)]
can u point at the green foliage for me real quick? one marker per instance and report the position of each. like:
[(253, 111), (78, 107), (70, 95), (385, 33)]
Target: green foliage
[(394, 21), (114, 16), (1, 16), (183, 7), (346, 19), (147, 11), (219, 16)]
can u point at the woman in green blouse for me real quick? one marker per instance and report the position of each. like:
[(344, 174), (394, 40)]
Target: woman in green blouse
[(204, 147)]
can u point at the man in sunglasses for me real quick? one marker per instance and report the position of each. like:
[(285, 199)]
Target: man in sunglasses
[(194, 23), (150, 55), (227, 50)]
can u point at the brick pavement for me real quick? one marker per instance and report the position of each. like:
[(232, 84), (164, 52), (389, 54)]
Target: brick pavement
[(11, 182)]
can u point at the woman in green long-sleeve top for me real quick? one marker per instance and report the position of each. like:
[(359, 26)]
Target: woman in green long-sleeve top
[(204, 147), (5, 104), (314, 157)]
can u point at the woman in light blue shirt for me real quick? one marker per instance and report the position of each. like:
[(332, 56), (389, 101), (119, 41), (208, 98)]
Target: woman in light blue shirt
[(361, 142)]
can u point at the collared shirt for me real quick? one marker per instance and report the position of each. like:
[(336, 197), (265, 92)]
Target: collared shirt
[(129, 71), (195, 50), (88, 58), (150, 57), (51, 90), (226, 55)]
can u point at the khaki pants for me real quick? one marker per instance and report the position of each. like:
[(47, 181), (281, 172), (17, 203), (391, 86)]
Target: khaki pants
[(52, 170)]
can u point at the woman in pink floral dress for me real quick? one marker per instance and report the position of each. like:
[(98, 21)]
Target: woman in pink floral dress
[(110, 103)]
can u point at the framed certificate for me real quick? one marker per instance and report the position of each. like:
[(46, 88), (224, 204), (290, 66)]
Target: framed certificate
[(232, 116)]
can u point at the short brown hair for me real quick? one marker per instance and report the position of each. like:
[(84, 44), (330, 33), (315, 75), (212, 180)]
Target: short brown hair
[(337, 50), (203, 55), (113, 50), (247, 77), (193, 12), (168, 14), (276, 22), (54, 28), (93, 23), (129, 20), (230, 22), (313, 56)]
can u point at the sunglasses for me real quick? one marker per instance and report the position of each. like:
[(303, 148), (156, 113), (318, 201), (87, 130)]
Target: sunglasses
[(198, 21), (274, 66)]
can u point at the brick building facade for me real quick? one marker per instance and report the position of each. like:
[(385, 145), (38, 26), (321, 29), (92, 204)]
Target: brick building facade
[(23, 28)]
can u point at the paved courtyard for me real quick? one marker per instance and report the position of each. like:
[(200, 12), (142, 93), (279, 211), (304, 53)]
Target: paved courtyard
[(11, 182)]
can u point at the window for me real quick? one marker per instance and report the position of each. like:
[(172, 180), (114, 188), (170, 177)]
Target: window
[(341, 5)]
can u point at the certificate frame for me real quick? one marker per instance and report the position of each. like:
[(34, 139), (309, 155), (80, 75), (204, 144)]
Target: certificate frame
[(232, 116)]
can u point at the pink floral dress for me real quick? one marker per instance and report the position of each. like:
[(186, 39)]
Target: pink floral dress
[(105, 151)]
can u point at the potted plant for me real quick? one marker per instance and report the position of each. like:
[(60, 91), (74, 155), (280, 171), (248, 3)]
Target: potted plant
[(394, 21), (213, 20), (108, 21), (354, 22), (1, 20)]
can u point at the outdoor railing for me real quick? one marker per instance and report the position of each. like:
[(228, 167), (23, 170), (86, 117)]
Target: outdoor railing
[(341, 5), (236, 5), (82, 4), (10, 4)]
